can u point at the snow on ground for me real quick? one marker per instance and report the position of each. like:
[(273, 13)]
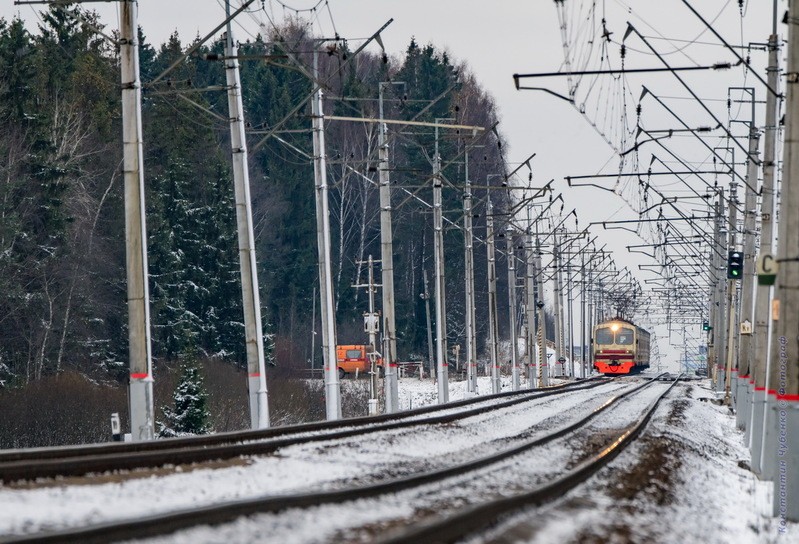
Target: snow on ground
[(415, 393), (682, 482), (302, 467), (341, 523)]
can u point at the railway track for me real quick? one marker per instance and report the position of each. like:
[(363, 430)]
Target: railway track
[(32, 464), (476, 518), (447, 529)]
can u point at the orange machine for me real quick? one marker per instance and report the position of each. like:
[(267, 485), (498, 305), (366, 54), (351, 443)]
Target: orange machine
[(355, 358)]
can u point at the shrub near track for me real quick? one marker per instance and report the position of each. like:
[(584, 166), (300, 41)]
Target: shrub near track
[(70, 408)]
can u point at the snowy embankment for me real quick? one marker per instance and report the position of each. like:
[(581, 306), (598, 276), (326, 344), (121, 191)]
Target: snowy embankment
[(686, 481), (683, 482), (307, 467)]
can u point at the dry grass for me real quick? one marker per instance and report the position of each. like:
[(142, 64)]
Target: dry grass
[(70, 409)]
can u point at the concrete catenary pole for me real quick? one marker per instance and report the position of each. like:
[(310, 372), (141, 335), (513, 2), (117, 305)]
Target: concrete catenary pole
[(142, 420), (729, 375), (387, 264), (721, 314), (332, 388), (438, 243), (590, 317), (313, 328), (530, 307), (253, 331), (471, 333), (582, 318), (543, 366), (514, 340), (784, 371), (570, 319), (559, 353), (430, 347), (715, 279), (763, 297), (745, 389), (492, 299)]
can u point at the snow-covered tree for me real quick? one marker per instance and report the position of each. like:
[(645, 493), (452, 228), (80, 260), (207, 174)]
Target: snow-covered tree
[(190, 414)]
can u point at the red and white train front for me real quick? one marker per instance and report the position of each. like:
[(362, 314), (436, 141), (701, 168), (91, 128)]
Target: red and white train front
[(615, 346)]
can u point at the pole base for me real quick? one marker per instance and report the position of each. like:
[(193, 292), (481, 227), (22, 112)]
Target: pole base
[(142, 419), (756, 445), (741, 413), (259, 408), (786, 482), (443, 384), (768, 460)]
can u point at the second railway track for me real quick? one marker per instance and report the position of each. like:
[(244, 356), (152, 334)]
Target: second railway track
[(19, 465), (167, 523)]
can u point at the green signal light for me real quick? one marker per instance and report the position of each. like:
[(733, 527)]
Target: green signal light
[(735, 264)]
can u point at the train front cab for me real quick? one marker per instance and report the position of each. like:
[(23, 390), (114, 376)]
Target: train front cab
[(614, 348)]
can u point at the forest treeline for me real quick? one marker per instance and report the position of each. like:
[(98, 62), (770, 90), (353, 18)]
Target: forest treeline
[(62, 269)]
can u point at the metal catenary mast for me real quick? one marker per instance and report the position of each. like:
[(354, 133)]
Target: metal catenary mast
[(371, 324)]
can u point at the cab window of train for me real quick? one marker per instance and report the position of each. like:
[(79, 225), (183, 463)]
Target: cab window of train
[(624, 336), (604, 336), (353, 354)]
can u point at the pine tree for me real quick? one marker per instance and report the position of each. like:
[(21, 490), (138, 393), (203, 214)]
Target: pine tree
[(190, 415), (194, 261), (220, 303), (175, 326)]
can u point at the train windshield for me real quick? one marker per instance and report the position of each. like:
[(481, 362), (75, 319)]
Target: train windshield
[(604, 336), (624, 336), (354, 354)]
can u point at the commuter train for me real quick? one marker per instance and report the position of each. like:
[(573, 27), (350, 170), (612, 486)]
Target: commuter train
[(620, 347)]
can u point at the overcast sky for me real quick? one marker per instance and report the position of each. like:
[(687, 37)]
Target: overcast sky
[(496, 39), (502, 37)]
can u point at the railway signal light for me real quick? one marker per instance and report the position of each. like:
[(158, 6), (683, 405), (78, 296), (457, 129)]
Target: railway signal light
[(706, 326), (735, 265)]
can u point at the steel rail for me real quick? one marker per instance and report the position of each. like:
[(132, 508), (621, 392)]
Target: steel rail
[(164, 524), (475, 518), (155, 454), (64, 452)]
